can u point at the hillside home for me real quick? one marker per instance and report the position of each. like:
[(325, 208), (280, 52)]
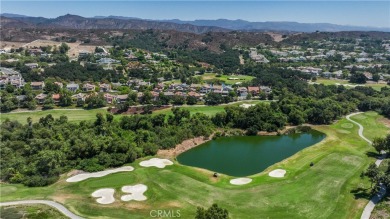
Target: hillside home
[(41, 98), (32, 65), (72, 87), (104, 87), (88, 87), (37, 85)]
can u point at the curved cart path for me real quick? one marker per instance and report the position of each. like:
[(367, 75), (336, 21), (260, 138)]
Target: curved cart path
[(377, 197), (53, 204)]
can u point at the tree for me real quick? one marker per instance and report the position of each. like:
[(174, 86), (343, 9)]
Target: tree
[(65, 98), (146, 97), (379, 144), (375, 77), (213, 99), (358, 78), (191, 100), (372, 173), (64, 48), (48, 103), (178, 100), (214, 212)]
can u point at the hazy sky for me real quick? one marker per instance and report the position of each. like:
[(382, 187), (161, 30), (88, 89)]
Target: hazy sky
[(361, 13)]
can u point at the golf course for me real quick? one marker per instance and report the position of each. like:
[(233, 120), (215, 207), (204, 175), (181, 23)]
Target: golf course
[(331, 188)]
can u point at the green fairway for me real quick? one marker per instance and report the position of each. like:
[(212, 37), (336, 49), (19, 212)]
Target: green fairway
[(332, 188), (344, 82), (73, 115), (207, 110), (227, 79), (89, 115)]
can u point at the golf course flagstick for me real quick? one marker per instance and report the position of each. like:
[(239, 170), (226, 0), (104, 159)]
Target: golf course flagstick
[(377, 197)]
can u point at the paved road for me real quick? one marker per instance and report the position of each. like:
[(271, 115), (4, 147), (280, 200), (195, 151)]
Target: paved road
[(53, 204), (377, 197)]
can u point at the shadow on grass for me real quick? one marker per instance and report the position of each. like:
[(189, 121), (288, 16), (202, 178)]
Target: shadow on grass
[(362, 193), (372, 154)]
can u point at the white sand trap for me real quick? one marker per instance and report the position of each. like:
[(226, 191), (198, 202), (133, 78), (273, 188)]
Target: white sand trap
[(155, 162), (105, 196), (278, 173), (240, 181), (246, 106), (136, 193), (84, 176)]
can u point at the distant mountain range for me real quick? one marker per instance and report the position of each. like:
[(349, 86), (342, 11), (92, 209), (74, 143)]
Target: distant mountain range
[(196, 26)]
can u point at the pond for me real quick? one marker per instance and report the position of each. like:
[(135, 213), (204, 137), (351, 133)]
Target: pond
[(247, 155)]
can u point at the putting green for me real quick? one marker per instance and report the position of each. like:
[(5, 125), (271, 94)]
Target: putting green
[(329, 189)]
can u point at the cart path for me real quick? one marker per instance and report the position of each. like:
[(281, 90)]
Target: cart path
[(377, 197), (53, 204)]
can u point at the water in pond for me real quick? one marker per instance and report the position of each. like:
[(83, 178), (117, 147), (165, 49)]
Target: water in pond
[(247, 155)]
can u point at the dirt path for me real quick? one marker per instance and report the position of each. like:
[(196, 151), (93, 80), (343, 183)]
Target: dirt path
[(377, 197), (53, 204)]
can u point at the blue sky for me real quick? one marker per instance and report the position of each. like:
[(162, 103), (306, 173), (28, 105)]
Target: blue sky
[(360, 13)]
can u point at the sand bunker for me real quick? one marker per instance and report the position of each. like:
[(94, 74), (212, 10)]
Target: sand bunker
[(240, 181), (155, 162), (278, 173), (136, 192), (105, 196), (84, 176), (246, 106)]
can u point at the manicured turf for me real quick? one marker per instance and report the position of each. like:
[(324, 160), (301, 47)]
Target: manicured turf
[(225, 78), (334, 82), (208, 110), (73, 115), (332, 188), (88, 115)]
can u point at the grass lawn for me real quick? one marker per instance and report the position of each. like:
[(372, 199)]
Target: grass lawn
[(334, 82), (208, 110), (80, 115), (332, 188), (73, 115), (225, 78), (30, 211)]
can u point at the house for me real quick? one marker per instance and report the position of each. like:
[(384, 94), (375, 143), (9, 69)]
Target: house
[(88, 87), (205, 89), (109, 98), (32, 65), (79, 97), (104, 87), (121, 98), (72, 87), (56, 98), (254, 90), (83, 53), (194, 94), (368, 75), (35, 51), (37, 85), (169, 94), (265, 89), (59, 84), (21, 98), (104, 61), (41, 98), (242, 92)]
